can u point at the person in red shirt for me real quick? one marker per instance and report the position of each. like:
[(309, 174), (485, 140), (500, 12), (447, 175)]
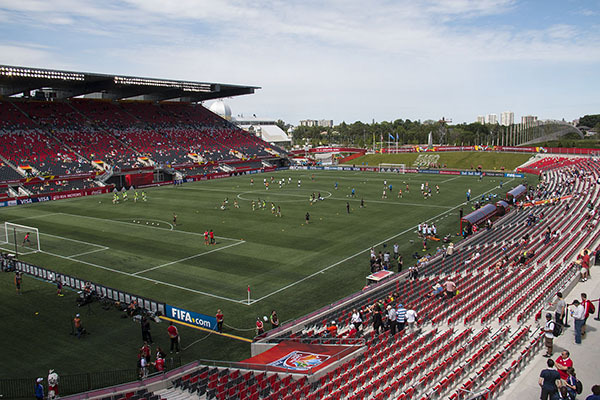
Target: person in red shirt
[(586, 306), (220, 318), (159, 364), (260, 327), (174, 335), (146, 351), (562, 363), (206, 242), (212, 237)]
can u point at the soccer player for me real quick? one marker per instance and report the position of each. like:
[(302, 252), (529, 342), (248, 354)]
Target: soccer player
[(26, 239), (335, 186), (279, 211), (273, 208), (144, 198), (253, 205), (384, 195), (115, 198), (124, 196), (174, 219), (353, 193), (362, 203), (235, 204), (407, 188), (400, 193), (251, 181), (206, 240), (135, 197), (212, 237), (437, 189), (299, 182), (307, 218), (348, 207)]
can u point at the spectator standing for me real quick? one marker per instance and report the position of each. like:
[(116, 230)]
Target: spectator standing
[(595, 393), (18, 281), (274, 320), (39, 389), (146, 351), (578, 315), (220, 317), (377, 317), (159, 364), (411, 318), (561, 309), (571, 382), (587, 306), (400, 317), (400, 263), (549, 381), (563, 363), (391, 311), (174, 336), (356, 319), (52, 385), (548, 336), (260, 327), (78, 325), (146, 336)]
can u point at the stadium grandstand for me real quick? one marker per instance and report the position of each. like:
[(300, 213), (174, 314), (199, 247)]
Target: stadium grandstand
[(64, 131), (62, 124)]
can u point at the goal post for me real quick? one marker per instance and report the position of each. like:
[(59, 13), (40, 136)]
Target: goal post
[(22, 239), (394, 168)]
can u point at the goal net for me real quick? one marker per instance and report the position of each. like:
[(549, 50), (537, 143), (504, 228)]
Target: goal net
[(397, 168), (20, 238)]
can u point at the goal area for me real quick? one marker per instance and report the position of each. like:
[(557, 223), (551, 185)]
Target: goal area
[(21, 239), (397, 168)]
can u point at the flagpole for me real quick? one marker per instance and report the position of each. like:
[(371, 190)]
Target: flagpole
[(248, 294)]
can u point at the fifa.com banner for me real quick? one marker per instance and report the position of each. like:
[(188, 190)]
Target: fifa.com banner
[(190, 317)]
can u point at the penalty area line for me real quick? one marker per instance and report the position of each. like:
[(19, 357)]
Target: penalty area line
[(143, 277), (188, 258)]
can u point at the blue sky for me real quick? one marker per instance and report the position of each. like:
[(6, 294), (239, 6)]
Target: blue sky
[(345, 60)]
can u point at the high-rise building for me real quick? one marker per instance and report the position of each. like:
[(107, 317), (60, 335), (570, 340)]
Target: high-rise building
[(507, 118), (491, 119), (327, 123), (529, 120), (481, 119)]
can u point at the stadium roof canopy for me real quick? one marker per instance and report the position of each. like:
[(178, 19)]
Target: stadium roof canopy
[(66, 84)]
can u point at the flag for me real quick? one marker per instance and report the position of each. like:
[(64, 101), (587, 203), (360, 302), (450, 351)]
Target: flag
[(391, 136), (248, 288)]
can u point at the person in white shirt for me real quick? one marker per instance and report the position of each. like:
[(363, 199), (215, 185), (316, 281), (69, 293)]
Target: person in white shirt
[(392, 319), (548, 335), (578, 315), (411, 318), (356, 320)]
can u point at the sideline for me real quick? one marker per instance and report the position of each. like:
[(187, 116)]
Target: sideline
[(206, 330)]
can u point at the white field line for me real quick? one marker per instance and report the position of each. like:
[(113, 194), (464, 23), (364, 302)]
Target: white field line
[(33, 217), (343, 199), (146, 226), (145, 278), (451, 179), (90, 252), (187, 258), (74, 240), (360, 252)]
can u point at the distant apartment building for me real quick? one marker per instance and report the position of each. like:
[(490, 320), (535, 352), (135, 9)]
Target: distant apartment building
[(327, 123), (491, 119), (529, 120), (507, 118), (481, 119)]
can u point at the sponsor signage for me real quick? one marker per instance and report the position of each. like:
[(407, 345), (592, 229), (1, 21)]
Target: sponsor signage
[(444, 172), (300, 361), (512, 175), (190, 317)]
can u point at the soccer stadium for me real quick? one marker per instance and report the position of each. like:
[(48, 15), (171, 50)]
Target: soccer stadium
[(159, 251)]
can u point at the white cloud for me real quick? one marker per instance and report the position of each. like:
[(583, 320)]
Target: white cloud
[(415, 59)]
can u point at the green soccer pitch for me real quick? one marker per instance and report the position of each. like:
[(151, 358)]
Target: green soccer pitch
[(291, 266)]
